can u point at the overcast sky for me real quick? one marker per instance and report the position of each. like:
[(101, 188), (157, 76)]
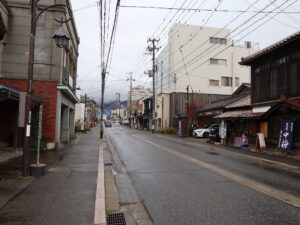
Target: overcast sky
[(136, 25)]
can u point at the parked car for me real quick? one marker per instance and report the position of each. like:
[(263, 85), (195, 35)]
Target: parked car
[(107, 123), (204, 132)]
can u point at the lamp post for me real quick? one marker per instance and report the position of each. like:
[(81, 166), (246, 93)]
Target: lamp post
[(61, 38)]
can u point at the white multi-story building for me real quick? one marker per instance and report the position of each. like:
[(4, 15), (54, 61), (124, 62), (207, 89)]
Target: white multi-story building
[(203, 58), (198, 65)]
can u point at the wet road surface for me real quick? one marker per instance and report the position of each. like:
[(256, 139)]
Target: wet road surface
[(183, 184)]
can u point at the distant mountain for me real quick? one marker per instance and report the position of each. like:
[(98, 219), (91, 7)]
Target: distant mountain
[(114, 104)]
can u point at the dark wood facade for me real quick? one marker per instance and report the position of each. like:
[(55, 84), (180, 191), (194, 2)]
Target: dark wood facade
[(275, 78), (179, 101), (275, 71)]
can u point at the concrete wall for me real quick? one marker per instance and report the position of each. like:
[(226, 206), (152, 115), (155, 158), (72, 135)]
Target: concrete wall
[(163, 110), (65, 115)]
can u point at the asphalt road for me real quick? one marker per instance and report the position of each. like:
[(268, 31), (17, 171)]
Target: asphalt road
[(182, 184)]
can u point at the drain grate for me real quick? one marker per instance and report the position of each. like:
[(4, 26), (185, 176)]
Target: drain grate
[(116, 219)]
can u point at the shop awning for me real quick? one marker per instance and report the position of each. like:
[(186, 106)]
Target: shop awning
[(13, 94), (69, 93), (239, 114)]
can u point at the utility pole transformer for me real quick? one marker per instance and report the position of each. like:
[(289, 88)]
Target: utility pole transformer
[(153, 48)]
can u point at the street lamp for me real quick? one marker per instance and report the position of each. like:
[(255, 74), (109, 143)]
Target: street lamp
[(60, 38)]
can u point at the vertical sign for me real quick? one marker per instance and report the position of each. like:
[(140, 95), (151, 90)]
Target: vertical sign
[(179, 128), (260, 141), (223, 129), (286, 135)]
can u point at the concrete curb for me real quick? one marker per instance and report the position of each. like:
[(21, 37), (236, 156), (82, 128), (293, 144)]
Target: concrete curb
[(100, 211)]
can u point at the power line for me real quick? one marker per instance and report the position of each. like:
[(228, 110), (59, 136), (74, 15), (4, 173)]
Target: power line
[(154, 34), (185, 69), (206, 10), (200, 5), (279, 21), (113, 31), (87, 6), (247, 33), (213, 47), (200, 28)]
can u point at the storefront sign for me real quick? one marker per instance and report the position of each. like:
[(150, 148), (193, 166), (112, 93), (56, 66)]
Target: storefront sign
[(260, 141), (286, 135), (223, 130), (179, 128)]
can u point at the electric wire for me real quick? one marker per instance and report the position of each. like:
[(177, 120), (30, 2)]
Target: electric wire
[(214, 47), (206, 10), (246, 34), (112, 37), (200, 28), (275, 19), (294, 19)]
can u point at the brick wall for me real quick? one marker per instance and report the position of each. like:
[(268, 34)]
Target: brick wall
[(47, 90)]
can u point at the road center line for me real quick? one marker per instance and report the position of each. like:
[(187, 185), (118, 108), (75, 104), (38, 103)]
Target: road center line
[(265, 189)]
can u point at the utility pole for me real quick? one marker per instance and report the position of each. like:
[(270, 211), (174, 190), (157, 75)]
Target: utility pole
[(103, 74), (85, 122), (153, 48), (119, 104), (187, 108), (130, 96)]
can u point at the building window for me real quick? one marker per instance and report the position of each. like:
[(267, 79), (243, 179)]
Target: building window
[(215, 40), (237, 81), (226, 81), (213, 82), (215, 61)]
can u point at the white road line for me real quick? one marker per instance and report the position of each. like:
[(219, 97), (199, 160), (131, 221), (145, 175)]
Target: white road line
[(265, 189), (295, 169)]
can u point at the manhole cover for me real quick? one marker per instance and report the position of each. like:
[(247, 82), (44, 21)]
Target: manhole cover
[(116, 219)]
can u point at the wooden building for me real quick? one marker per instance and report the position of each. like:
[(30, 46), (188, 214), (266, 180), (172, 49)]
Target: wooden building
[(275, 79)]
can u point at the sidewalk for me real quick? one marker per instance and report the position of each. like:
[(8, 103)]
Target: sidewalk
[(65, 195)]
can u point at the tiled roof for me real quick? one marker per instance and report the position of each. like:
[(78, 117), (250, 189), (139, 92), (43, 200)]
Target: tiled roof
[(221, 103), (246, 101), (277, 45), (243, 114)]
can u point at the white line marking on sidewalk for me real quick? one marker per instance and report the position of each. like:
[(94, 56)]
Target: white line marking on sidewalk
[(100, 213), (265, 189)]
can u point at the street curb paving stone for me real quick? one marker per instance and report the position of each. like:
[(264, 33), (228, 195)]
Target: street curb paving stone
[(100, 212)]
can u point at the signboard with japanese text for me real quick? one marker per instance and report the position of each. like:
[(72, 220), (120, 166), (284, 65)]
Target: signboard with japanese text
[(286, 135), (223, 129), (260, 141)]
